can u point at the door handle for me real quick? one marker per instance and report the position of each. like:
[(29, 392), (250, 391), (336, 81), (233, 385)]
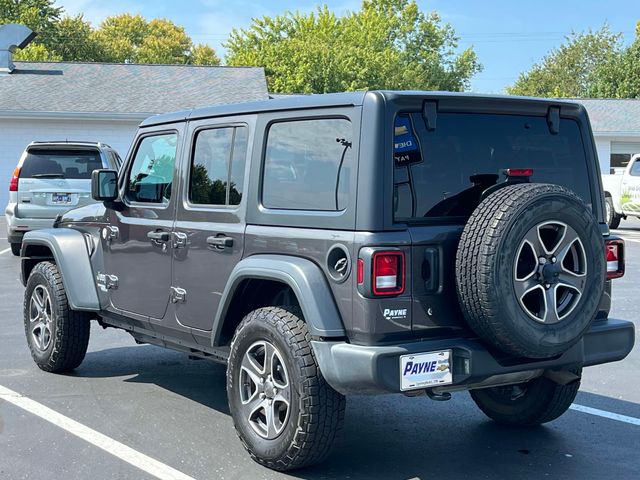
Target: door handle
[(220, 242), (159, 236)]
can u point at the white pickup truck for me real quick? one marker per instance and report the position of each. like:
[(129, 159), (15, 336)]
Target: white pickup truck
[(622, 193)]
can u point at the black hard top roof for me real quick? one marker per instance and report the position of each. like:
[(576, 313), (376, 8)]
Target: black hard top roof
[(297, 102)]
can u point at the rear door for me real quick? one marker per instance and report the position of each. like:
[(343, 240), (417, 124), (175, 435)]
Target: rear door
[(54, 180), (209, 229), (440, 174)]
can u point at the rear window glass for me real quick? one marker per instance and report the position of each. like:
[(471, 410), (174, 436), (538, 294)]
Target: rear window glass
[(71, 164), (308, 164), (443, 172)]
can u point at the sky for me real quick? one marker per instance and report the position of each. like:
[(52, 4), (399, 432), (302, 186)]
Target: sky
[(508, 36)]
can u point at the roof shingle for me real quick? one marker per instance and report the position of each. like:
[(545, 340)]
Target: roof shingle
[(613, 115), (125, 88)]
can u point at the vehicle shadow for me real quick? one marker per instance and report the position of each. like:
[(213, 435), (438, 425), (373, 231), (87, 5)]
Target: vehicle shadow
[(199, 380), (396, 437)]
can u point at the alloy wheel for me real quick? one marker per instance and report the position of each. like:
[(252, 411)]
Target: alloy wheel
[(550, 271), (265, 390), (40, 317)]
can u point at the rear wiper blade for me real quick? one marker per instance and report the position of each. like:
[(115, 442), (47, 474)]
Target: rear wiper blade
[(48, 175)]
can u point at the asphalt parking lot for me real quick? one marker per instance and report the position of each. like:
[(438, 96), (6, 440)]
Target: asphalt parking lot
[(149, 402)]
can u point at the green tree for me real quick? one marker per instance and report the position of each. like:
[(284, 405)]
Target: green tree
[(619, 76), (40, 16), (74, 39), (36, 52), (131, 38), (202, 54), (572, 69), (386, 44)]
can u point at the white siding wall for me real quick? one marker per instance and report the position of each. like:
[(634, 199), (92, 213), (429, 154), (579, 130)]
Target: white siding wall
[(15, 135), (603, 146)]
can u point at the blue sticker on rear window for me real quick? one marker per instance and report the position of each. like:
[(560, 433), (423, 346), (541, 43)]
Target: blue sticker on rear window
[(406, 149)]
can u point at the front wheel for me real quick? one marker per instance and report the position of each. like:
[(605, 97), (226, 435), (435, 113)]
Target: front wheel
[(284, 412), (537, 401), (15, 249), (57, 336)]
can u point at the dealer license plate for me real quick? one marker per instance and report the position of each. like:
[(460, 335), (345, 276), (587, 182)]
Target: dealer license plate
[(61, 198), (424, 370)]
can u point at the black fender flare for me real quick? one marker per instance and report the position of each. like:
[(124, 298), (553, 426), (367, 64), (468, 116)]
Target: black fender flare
[(305, 278), (69, 250)]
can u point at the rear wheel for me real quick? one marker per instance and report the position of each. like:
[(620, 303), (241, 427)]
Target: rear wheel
[(613, 219), (285, 413), (527, 404), (15, 249), (57, 336)]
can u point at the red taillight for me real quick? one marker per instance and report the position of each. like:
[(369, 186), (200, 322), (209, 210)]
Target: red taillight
[(519, 172), (388, 273), (13, 184), (360, 271), (614, 251)]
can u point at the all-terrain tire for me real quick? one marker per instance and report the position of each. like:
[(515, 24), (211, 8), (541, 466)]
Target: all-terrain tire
[(316, 410), (15, 248), (613, 219), (486, 265), (539, 401), (65, 345)]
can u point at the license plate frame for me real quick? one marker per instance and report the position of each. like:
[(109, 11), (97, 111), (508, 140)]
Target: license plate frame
[(425, 370), (61, 198)]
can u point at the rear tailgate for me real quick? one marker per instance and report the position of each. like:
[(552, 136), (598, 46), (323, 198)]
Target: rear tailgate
[(53, 180), (439, 177)]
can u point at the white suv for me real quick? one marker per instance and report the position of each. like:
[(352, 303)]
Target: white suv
[(51, 178)]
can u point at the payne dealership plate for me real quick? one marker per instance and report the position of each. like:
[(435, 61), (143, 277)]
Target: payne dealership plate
[(425, 370)]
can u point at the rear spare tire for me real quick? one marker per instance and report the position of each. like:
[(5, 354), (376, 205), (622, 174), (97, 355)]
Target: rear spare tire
[(530, 269)]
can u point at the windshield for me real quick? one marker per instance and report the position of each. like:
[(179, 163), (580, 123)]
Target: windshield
[(70, 164), (443, 172)]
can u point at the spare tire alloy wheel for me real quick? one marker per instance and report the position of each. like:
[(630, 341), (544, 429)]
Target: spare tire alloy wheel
[(264, 389), (530, 269), (550, 269)]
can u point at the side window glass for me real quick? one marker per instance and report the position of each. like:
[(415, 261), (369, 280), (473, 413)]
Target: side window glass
[(635, 168), (151, 175), (217, 170), (308, 164)]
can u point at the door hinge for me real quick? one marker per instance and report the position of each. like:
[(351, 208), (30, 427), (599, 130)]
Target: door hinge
[(110, 233), (179, 240), (106, 281), (178, 295)]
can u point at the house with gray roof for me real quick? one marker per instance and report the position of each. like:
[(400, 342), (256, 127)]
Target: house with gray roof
[(103, 102), (616, 128)]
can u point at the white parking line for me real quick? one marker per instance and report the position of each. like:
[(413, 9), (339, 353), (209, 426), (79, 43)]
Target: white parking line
[(603, 413), (109, 445), (5, 250)]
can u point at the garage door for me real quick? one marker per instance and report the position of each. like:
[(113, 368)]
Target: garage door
[(625, 147)]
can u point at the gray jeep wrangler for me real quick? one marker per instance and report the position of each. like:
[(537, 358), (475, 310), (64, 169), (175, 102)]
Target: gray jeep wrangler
[(364, 243)]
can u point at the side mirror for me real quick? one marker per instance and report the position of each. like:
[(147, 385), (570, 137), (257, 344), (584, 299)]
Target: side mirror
[(612, 171), (104, 185)]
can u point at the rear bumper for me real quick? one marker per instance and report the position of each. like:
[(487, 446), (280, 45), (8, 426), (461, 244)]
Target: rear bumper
[(18, 226), (356, 369)]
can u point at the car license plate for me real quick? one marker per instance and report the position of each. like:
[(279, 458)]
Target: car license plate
[(61, 198), (424, 370)]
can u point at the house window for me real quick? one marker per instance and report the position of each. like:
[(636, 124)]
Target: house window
[(620, 160)]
